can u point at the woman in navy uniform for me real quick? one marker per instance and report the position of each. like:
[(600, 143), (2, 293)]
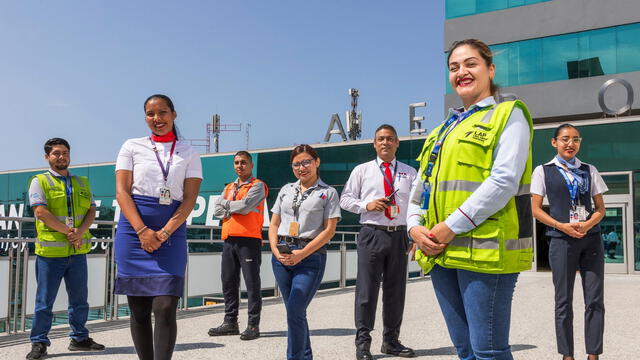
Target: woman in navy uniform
[(574, 190)]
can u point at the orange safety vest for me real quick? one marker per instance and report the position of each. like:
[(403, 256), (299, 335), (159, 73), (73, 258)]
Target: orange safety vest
[(249, 225)]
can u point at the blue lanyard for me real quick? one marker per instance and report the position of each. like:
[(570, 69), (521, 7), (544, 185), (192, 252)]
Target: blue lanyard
[(68, 185), (448, 126), (571, 185)]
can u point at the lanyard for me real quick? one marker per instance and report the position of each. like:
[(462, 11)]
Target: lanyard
[(571, 185), (296, 204), (68, 185), (448, 126), (165, 172), (393, 179), (236, 187)]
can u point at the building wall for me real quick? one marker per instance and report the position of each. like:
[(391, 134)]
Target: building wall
[(542, 19)]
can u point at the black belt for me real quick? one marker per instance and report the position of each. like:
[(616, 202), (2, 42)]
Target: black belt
[(300, 242), (388, 228)]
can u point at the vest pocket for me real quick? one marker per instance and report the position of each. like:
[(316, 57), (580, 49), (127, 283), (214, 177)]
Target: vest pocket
[(84, 199), (475, 148), (56, 200)]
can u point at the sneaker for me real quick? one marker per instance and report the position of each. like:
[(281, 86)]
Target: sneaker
[(225, 329), (252, 332), (85, 345), (38, 351)]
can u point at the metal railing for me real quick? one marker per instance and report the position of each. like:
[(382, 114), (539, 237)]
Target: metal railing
[(18, 255)]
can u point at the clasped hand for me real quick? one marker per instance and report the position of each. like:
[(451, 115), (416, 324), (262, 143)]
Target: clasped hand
[(75, 238), (576, 230), (432, 242), (150, 240), (290, 259)]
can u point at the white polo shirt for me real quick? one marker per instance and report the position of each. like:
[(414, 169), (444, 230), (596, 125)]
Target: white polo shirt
[(137, 155)]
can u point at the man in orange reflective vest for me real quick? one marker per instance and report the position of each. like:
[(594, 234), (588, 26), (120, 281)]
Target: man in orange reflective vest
[(241, 208)]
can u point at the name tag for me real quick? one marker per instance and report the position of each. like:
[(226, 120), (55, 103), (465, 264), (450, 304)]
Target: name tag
[(394, 211), (582, 212), (294, 229), (574, 217), (165, 196), (68, 221)]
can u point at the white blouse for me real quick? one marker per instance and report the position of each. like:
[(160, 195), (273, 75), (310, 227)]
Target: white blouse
[(137, 155)]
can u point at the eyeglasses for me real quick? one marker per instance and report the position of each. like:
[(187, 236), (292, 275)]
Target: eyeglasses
[(567, 140), (304, 163)]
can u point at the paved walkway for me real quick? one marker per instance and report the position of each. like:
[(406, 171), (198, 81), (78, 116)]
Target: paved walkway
[(331, 320)]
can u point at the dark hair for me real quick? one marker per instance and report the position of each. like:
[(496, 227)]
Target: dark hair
[(563, 126), (485, 53), (304, 148), (245, 154), (169, 103), (48, 146), (386, 127)]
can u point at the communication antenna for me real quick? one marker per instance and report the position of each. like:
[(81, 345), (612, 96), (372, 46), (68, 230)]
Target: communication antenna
[(247, 129), (354, 117), (217, 127)]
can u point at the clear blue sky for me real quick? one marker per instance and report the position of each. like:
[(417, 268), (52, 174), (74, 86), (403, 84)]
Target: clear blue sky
[(82, 69)]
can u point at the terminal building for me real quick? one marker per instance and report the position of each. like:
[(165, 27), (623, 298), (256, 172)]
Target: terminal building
[(571, 61)]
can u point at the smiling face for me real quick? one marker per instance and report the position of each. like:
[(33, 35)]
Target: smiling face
[(159, 116), (59, 158), (567, 143), (305, 167), (469, 75)]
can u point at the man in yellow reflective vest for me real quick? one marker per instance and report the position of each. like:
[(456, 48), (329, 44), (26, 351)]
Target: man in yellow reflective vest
[(241, 208), (64, 210)]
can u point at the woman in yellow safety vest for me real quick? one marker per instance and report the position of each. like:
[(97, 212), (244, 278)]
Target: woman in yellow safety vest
[(470, 212)]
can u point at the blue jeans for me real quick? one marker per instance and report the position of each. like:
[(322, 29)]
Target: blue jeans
[(477, 310), (298, 284), (49, 274)]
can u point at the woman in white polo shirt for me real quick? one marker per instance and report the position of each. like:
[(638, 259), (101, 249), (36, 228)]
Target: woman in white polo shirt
[(157, 182), (573, 188), (304, 219)]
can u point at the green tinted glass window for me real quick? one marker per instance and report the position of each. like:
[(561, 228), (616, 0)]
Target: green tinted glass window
[(458, 8), (570, 56)]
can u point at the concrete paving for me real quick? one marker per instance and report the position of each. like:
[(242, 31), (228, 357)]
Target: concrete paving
[(331, 323)]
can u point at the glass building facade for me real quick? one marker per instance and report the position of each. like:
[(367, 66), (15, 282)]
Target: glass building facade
[(583, 54), (459, 8)]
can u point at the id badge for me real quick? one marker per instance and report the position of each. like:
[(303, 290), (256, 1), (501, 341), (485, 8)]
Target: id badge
[(165, 196), (68, 221), (582, 212), (394, 211), (294, 229), (426, 194), (574, 216)]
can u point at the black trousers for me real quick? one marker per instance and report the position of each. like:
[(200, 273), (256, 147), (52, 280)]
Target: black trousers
[(566, 256), (382, 256), (241, 253)]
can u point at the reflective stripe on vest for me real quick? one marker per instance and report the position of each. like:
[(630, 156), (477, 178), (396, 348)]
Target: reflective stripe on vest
[(471, 186)]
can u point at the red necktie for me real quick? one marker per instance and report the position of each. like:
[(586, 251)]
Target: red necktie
[(387, 187)]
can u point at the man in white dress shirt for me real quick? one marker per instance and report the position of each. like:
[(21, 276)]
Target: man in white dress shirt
[(379, 190)]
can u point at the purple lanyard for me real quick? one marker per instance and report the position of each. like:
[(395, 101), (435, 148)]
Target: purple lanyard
[(165, 172)]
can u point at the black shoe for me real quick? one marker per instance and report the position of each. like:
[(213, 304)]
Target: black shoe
[(363, 353), (85, 345), (397, 349), (38, 351), (225, 329), (252, 332)]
